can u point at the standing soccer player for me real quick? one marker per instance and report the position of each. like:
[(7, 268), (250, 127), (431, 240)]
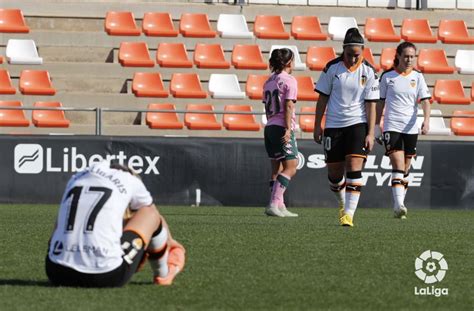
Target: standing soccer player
[(348, 87), (400, 89), (279, 97), (91, 248)]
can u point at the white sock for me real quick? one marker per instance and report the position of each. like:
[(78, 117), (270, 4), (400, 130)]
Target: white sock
[(353, 187), (158, 252), (405, 183), (398, 190), (339, 190)]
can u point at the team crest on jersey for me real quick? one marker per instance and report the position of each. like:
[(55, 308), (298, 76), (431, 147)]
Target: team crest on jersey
[(413, 83), (137, 243), (363, 80)]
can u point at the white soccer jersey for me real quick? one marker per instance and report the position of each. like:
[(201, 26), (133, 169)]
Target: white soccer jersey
[(90, 219), (348, 89), (401, 93)]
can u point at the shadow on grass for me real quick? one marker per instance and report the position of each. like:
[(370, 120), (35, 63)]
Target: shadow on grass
[(16, 282)]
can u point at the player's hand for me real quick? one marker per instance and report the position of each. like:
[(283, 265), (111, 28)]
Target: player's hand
[(425, 128), (318, 135), (378, 135), (369, 142), (286, 138)]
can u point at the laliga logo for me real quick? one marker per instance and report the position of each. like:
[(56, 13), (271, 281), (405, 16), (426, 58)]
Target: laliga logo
[(431, 267)]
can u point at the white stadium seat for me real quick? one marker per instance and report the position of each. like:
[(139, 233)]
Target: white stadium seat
[(382, 3), (299, 65), (263, 1), (293, 2), (465, 4), (464, 62), (233, 26), (322, 2), (437, 125), (338, 26), (442, 4), (22, 52), (360, 3), (225, 86), (407, 4)]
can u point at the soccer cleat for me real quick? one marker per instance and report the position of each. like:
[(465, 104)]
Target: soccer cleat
[(176, 259), (273, 210), (286, 212), (346, 220), (401, 212)]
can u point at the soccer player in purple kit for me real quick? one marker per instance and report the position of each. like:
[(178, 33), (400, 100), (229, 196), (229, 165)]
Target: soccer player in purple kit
[(279, 97)]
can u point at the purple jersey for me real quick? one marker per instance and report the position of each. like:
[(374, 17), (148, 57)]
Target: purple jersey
[(276, 91)]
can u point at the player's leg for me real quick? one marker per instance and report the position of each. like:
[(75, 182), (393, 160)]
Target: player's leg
[(272, 136), (409, 144), (333, 144), (394, 149)]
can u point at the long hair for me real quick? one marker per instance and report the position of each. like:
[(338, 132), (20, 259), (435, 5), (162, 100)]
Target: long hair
[(400, 49), (280, 59), (353, 37)]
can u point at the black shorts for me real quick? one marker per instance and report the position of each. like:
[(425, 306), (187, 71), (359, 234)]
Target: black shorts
[(276, 149), (395, 141), (60, 275), (341, 142)]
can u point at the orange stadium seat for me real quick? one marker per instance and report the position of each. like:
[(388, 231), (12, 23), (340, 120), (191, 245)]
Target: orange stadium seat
[(307, 121), (433, 61), (306, 88), (417, 30), (173, 55), (450, 92), (6, 86), (121, 24), (210, 56), (368, 56), (463, 126), (318, 56), (239, 122), (307, 28), (163, 120), (186, 85), (12, 20), (381, 30), (36, 82), (148, 84), (387, 57), (12, 117), (158, 24), (1, 59), (254, 86), (454, 31), (135, 54), (201, 121), (49, 118), (472, 91), (196, 25), (248, 57), (270, 27)]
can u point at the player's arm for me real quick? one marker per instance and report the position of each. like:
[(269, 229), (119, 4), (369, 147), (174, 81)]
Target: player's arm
[(425, 127), (320, 109), (289, 108), (371, 116)]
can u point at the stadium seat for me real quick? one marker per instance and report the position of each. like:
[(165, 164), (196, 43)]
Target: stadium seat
[(380, 30), (135, 54), (239, 122), (298, 65), (338, 26), (450, 92), (173, 55), (200, 121), (254, 86), (437, 125), (196, 26), (248, 57), (225, 86), (318, 56), (454, 31), (186, 85), (12, 20), (387, 57), (463, 126), (22, 52), (49, 118), (12, 117), (1, 59), (270, 27), (6, 86), (368, 56), (163, 120), (210, 56), (472, 92), (464, 62), (233, 26), (306, 122), (307, 28), (121, 24), (158, 24), (417, 31), (306, 88), (433, 61), (148, 84), (36, 82)]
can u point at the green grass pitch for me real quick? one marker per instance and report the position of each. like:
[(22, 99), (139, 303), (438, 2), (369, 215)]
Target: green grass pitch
[(239, 259)]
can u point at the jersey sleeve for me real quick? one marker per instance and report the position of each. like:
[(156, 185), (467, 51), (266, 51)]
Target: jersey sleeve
[(291, 89), (423, 91), (372, 87), (324, 84), (140, 197), (383, 87)]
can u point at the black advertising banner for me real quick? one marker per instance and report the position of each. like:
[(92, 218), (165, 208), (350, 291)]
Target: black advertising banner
[(227, 171)]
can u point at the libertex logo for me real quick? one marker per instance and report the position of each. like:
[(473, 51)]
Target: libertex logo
[(28, 159)]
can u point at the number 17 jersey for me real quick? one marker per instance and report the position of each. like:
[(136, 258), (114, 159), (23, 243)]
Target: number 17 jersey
[(276, 91)]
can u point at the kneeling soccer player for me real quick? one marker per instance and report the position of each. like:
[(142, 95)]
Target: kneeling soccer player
[(91, 247)]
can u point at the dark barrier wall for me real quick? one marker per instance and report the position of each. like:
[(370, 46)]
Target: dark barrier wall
[(227, 171)]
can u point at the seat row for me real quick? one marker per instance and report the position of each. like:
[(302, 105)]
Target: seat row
[(136, 54), (40, 118), (31, 82), (272, 27)]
